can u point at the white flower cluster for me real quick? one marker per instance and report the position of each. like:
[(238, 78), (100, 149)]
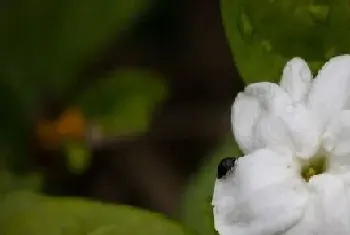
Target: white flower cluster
[(283, 128)]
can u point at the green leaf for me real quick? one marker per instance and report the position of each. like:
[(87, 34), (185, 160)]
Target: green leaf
[(264, 35), (44, 44), (197, 212), (124, 102), (25, 213)]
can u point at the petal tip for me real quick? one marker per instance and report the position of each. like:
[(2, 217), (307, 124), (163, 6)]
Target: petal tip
[(297, 67), (341, 60), (297, 61)]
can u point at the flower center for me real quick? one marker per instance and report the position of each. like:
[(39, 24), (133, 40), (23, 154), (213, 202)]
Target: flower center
[(314, 166)]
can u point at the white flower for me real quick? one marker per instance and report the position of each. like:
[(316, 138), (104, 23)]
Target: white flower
[(281, 129)]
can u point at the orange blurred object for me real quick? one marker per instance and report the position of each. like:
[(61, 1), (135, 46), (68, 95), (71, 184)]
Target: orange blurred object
[(71, 125)]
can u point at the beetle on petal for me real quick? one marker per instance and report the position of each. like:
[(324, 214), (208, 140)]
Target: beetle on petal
[(225, 166)]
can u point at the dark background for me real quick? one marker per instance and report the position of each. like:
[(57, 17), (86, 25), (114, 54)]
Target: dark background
[(184, 41)]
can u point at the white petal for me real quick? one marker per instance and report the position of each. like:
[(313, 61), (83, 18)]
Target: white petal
[(264, 117), (296, 79), (294, 129), (272, 132), (332, 202), (258, 100), (303, 130), (330, 91), (336, 142), (245, 114), (308, 224), (328, 208), (272, 97), (223, 202), (264, 196)]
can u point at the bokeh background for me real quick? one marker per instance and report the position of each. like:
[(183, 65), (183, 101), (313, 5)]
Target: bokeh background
[(124, 102), (115, 113)]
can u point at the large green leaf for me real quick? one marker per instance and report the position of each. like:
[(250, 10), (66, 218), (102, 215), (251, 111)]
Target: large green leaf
[(27, 213), (264, 34), (124, 101), (197, 212)]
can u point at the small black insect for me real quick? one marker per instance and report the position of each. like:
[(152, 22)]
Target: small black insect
[(225, 166)]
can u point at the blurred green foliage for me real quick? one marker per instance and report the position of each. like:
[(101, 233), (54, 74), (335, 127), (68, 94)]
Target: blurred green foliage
[(123, 102), (46, 43), (197, 210), (120, 104), (78, 156), (265, 34), (24, 212), (10, 182), (44, 46), (28, 213)]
